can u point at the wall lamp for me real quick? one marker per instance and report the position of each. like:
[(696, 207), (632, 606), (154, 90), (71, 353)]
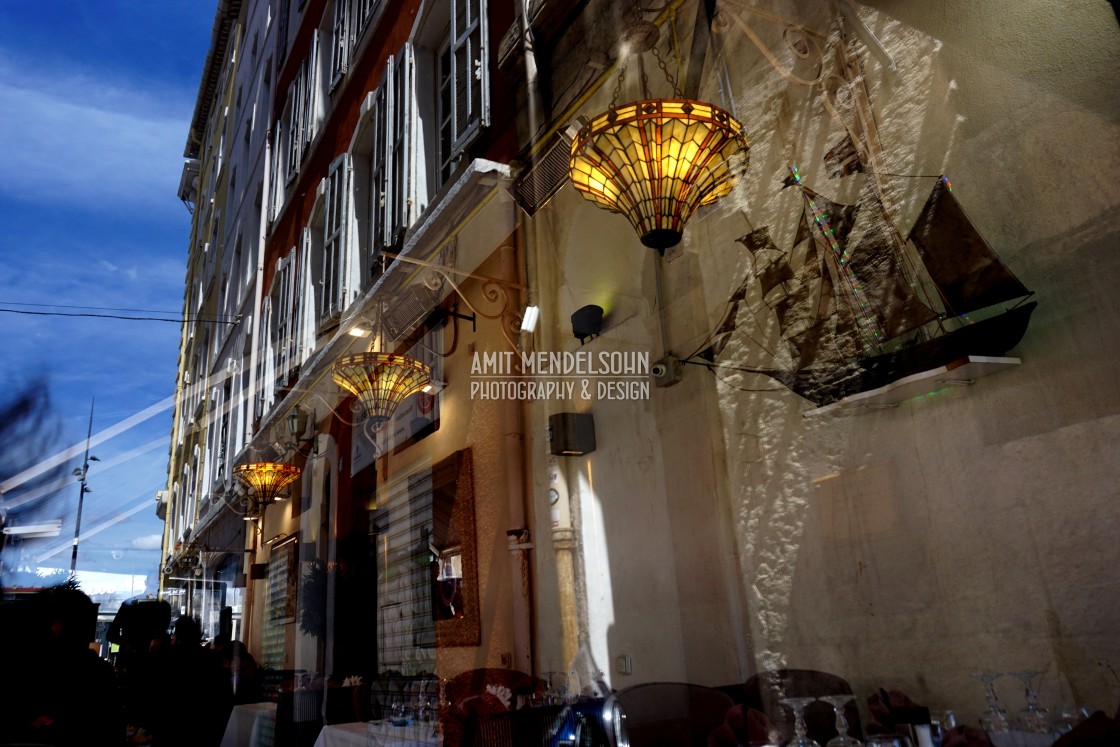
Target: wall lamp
[(529, 320)]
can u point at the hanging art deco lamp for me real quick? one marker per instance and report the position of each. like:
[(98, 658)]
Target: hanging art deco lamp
[(657, 160), (265, 480), (380, 381)]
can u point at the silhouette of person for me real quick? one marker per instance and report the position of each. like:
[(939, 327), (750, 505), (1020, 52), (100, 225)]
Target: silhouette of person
[(240, 667), (140, 630), (195, 694), (68, 696)]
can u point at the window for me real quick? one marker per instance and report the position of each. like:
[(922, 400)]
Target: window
[(394, 171), (301, 110), (468, 71), (452, 50), (283, 310), (339, 287), (343, 38)]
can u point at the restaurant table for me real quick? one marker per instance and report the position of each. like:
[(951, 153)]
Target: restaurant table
[(377, 734), (251, 725)]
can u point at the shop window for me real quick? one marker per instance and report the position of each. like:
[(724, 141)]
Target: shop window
[(426, 577)]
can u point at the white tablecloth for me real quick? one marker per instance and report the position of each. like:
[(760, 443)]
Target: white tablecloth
[(377, 734), (251, 725)]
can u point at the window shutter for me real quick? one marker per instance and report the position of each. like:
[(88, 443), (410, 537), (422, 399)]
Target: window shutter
[(343, 40), (470, 70), (391, 182), (379, 170), (404, 159), (305, 311), (294, 134), (310, 80), (268, 360), (336, 261)]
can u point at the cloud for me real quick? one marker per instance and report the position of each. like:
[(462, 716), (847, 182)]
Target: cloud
[(148, 542), (80, 139)]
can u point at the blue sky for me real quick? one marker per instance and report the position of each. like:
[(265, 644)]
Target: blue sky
[(95, 104)]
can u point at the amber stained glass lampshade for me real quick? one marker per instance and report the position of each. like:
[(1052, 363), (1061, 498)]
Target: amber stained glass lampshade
[(656, 161), (380, 381), (265, 480)]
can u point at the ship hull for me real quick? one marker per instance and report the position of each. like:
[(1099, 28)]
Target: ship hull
[(990, 337)]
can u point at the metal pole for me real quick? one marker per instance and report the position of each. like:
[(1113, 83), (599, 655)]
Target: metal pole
[(82, 490)]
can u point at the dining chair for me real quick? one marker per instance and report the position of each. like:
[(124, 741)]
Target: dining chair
[(478, 693)]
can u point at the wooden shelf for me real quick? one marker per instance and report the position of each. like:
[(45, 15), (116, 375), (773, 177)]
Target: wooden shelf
[(960, 372)]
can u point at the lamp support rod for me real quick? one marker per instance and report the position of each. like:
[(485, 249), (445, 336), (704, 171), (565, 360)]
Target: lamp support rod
[(452, 270)]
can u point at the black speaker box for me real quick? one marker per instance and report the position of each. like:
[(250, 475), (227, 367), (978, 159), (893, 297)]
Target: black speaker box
[(571, 433)]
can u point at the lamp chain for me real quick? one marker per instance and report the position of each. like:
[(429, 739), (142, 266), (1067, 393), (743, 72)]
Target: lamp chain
[(668, 76), (618, 85)]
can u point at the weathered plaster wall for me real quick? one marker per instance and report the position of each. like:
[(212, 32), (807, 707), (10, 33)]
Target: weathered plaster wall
[(969, 529), (903, 548)]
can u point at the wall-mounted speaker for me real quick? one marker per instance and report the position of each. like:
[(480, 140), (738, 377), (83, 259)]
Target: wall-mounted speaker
[(571, 433)]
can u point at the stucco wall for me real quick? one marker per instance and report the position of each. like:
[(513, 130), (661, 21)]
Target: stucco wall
[(904, 548)]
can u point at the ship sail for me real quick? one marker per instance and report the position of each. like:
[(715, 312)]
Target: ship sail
[(961, 263), (846, 295)]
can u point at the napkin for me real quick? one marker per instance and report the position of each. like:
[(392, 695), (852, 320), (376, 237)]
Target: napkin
[(741, 725)]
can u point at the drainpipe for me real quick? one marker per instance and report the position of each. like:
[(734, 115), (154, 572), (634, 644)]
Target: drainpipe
[(258, 290), (518, 536), (564, 545), (254, 355)]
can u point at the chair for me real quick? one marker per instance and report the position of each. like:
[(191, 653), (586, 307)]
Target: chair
[(672, 714), (764, 691), (299, 717), (474, 694)]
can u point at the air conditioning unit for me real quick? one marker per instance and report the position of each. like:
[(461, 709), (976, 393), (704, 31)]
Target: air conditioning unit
[(410, 308)]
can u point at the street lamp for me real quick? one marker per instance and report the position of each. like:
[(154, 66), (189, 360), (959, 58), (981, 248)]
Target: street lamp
[(82, 490)]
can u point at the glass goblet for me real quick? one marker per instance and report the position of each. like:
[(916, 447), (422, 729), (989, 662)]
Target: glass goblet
[(842, 739), (1033, 718), (888, 740), (994, 718), (800, 736)]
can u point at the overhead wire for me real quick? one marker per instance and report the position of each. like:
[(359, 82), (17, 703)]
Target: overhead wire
[(173, 316)]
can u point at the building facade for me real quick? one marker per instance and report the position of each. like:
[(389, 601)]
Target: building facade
[(670, 493)]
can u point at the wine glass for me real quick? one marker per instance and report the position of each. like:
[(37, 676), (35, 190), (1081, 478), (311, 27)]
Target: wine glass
[(888, 740), (800, 738), (1033, 718), (993, 719), (399, 712), (841, 739)]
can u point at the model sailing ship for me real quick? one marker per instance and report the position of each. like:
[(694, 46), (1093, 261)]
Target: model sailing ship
[(859, 317)]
